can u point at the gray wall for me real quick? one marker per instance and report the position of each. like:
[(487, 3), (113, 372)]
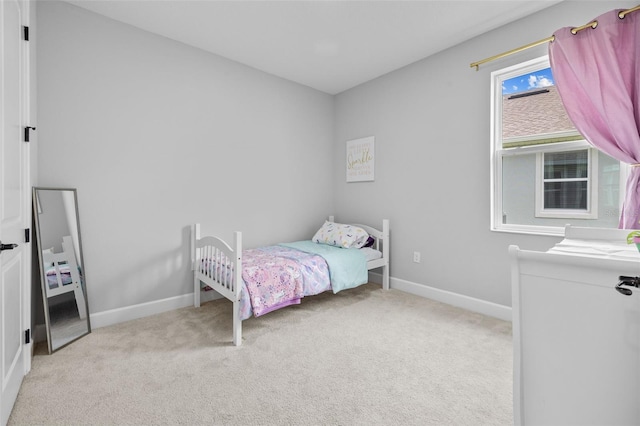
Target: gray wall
[(145, 120), (431, 121), (156, 135)]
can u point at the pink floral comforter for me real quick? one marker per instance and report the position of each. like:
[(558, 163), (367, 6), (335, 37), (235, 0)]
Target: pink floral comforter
[(274, 277), (272, 282), (277, 276)]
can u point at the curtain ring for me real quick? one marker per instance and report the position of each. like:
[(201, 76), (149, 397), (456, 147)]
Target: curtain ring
[(592, 24)]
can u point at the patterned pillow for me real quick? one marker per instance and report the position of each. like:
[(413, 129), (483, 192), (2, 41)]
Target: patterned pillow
[(340, 235)]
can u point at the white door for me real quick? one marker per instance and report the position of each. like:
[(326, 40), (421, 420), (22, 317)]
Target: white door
[(15, 216)]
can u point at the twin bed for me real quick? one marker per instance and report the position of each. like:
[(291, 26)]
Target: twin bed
[(261, 280)]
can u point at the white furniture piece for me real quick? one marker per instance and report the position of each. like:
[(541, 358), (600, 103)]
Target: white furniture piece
[(59, 264), (576, 339), (228, 280)]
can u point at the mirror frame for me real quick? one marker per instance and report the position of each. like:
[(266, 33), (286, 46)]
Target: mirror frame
[(43, 278)]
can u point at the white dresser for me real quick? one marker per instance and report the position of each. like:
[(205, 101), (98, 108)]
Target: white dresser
[(576, 339)]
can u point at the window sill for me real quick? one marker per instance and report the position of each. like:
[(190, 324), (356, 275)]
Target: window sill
[(548, 231)]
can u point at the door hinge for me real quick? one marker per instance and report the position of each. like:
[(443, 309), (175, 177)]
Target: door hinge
[(27, 235), (26, 132), (25, 32), (27, 336)]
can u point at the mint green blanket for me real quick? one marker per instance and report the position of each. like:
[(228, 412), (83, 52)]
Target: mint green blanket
[(347, 267)]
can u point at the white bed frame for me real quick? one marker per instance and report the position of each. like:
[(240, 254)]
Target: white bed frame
[(67, 256), (229, 285)]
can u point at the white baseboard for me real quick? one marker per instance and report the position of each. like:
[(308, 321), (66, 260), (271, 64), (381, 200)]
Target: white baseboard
[(128, 313), (465, 302)]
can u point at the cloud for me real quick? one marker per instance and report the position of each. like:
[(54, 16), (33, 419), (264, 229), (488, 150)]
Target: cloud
[(539, 81), (513, 88), (545, 82)]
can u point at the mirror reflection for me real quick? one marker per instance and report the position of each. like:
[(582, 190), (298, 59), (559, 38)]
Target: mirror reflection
[(61, 265)]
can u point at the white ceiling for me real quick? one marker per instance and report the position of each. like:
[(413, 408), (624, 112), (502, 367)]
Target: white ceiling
[(328, 45)]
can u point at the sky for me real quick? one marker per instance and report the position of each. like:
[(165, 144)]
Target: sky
[(535, 80)]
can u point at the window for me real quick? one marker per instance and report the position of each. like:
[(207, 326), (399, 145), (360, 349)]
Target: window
[(565, 179), (544, 173)]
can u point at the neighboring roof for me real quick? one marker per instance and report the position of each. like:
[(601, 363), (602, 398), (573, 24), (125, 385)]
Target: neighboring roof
[(534, 112)]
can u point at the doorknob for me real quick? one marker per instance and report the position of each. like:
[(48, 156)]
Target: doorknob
[(629, 282), (7, 246)]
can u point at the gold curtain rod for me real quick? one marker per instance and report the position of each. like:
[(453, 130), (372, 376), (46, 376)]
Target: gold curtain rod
[(592, 24)]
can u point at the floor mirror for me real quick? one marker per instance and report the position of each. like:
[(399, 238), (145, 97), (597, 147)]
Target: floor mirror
[(62, 268)]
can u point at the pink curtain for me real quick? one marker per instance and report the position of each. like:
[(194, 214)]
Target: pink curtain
[(596, 73)]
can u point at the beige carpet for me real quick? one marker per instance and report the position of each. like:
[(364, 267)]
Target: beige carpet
[(361, 357)]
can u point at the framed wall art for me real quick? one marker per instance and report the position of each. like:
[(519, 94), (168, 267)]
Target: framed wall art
[(360, 159)]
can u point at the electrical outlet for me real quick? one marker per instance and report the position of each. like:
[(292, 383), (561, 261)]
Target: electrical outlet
[(416, 256)]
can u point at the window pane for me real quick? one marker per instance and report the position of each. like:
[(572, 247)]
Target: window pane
[(531, 107), (565, 195), (546, 173), (609, 188), (566, 165), (518, 189)]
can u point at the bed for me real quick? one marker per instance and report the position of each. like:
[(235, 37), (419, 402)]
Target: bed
[(62, 274), (260, 280)]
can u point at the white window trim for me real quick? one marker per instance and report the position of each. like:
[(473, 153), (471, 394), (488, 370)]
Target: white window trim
[(591, 212), (497, 77), (496, 166), (556, 147), (530, 140)]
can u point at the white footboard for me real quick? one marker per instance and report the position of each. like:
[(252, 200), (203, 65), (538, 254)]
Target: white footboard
[(576, 340), (218, 266)]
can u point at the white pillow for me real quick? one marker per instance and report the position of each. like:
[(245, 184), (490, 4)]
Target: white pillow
[(341, 235)]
